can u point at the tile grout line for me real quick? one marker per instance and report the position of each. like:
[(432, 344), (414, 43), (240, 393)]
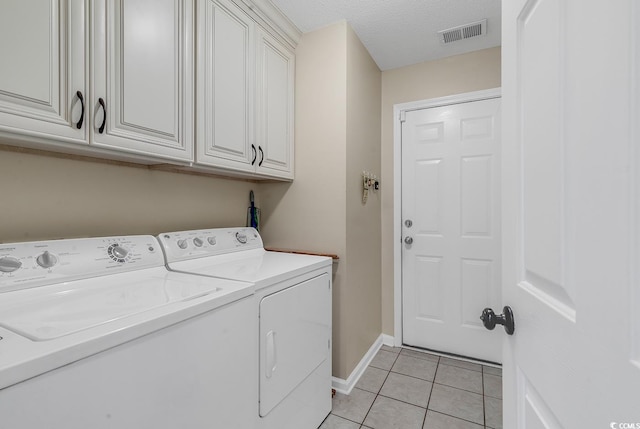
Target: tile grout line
[(434, 381), (413, 376), (460, 418), (438, 362), (431, 392), (484, 407), (459, 388), (460, 367), (377, 394)]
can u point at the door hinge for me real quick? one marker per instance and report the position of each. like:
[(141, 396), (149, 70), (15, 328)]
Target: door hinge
[(403, 116)]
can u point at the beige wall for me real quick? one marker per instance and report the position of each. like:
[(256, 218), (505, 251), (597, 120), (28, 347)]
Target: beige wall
[(309, 212), (453, 75), (361, 299), (337, 136), (50, 197)]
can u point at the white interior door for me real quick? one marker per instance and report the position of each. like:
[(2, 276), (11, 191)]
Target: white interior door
[(451, 212), (570, 214)]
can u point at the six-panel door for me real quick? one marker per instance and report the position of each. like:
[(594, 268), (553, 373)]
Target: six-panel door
[(570, 215), (451, 194)]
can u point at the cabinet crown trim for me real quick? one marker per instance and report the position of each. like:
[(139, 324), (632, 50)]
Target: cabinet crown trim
[(274, 17)]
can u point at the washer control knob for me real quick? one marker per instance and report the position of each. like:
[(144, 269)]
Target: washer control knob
[(212, 241), (241, 237), (46, 260), (9, 264), (198, 242), (182, 243), (119, 252)]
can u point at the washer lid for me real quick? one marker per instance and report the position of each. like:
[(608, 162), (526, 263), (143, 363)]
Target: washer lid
[(53, 311)]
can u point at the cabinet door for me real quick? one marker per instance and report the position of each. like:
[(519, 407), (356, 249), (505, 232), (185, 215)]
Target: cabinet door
[(143, 77), (276, 68), (225, 86), (42, 48)]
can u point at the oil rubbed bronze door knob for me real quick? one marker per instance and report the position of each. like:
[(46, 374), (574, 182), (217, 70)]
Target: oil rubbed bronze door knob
[(490, 319)]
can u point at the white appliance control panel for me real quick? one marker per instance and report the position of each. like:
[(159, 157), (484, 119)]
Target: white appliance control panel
[(25, 265), (184, 245)]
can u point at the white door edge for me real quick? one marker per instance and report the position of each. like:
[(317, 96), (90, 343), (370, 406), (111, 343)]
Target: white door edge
[(398, 110), (634, 303)]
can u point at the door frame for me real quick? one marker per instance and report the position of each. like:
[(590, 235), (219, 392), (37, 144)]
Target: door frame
[(399, 110)]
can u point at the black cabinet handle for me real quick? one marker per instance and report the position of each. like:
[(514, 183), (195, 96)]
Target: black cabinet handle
[(81, 98), (261, 156), (104, 119), (490, 319), (255, 154)]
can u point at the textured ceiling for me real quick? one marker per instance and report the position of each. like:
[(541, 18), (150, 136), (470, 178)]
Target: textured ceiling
[(398, 33)]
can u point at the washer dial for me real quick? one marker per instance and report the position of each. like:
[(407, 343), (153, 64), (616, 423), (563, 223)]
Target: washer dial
[(118, 253), (9, 264), (46, 259)]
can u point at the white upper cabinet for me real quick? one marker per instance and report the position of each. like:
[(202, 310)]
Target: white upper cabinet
[(142, 63), (42, 76), (274, 107), (122, 79), (225, 63), (245, 79), (140, 104)]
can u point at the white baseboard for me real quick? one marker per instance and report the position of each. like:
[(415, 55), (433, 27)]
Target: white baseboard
[(389, 340), (345, 386)]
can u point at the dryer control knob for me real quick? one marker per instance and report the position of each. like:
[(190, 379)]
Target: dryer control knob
[(212, 241), (46, 260), (198, 242), (9, 264), (182, 243), (241, 237)]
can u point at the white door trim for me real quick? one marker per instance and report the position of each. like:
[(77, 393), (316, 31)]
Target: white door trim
[(399, 111)]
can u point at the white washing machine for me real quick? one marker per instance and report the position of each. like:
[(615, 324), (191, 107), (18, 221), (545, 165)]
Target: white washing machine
[(97, 333), (293, 315)]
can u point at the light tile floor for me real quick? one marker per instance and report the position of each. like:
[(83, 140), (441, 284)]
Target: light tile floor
[(408, 389)]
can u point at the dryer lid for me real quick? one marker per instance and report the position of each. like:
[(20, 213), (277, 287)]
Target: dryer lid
[(256, 266)]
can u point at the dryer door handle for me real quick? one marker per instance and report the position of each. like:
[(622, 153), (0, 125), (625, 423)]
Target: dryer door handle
[(272, 359)]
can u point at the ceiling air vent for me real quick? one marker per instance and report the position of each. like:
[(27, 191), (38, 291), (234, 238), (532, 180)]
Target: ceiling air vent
[(462, 32)]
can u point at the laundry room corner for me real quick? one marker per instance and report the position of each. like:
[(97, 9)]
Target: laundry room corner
[(338, 92)]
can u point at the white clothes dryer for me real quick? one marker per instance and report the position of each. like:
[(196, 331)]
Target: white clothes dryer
[(97, 333), (293, 317)]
